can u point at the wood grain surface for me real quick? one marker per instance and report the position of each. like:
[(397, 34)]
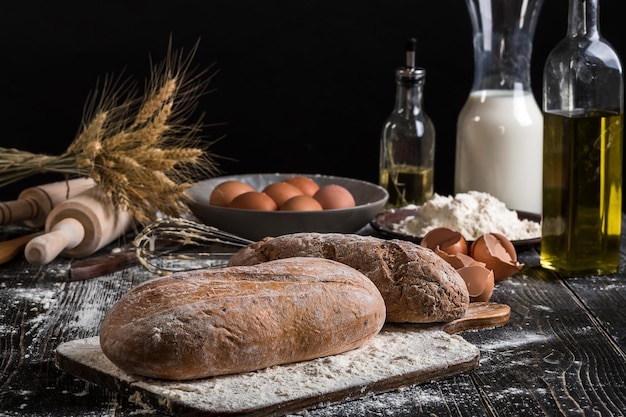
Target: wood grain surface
[(561, 354)]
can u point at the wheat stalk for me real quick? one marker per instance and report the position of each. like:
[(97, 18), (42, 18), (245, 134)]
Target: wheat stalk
[(139, 149)]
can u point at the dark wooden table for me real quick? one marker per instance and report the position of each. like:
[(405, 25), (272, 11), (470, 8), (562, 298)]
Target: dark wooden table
[(562, 353)]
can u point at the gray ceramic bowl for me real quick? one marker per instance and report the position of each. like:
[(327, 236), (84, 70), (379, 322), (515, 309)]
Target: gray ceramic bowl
[(255, 224)]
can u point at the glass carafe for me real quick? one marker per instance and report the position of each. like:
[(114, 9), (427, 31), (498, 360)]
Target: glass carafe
[(499, 147)]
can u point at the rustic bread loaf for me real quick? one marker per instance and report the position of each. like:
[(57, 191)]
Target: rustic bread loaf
[(416, 284), (222, 321)]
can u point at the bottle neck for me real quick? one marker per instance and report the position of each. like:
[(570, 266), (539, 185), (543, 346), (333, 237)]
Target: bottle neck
[(583, 19), (583, 72), (502, 62), (409, 95), (503, 32)]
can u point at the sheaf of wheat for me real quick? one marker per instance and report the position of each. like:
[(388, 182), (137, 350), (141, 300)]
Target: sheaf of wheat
[(139, 148)]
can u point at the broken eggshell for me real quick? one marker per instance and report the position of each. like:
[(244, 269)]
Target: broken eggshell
[(449, 245), (479, 281), (497, 253), (458, 260), (447, 240)]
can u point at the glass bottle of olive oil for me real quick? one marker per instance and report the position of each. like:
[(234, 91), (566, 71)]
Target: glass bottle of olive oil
[(582, 163), (407, 144)]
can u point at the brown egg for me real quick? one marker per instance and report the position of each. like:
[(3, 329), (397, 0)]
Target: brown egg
[(448, 240), (334, 196), (305, 184), (254, 200), (281, 192), (479, 281), (301, 203), (498, 254), (225, 192)]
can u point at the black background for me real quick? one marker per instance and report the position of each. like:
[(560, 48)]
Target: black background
[(303, 86)]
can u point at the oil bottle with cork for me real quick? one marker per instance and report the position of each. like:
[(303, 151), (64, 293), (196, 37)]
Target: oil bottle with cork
[(583, 110), (407, 144)]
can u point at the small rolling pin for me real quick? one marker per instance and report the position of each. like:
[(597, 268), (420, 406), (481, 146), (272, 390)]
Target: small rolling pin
[(9, 249), (34, 204), (78, 227)]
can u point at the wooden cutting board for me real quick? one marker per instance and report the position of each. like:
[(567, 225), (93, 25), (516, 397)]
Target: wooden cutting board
[(399, 355)]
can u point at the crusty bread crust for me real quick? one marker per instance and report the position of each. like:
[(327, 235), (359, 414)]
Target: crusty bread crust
[(416, 284), (198, 324)]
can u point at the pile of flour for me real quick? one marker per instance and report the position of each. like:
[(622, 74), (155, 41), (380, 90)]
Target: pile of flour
[(472, 214)]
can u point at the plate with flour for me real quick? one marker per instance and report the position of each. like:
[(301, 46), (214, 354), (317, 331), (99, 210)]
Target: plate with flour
[(472, 214)]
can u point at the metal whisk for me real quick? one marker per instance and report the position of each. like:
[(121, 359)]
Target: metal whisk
[(177, 244)]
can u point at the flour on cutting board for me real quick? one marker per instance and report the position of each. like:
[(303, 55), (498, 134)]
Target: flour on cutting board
[(397, 356), (383, 357), (472, 214)]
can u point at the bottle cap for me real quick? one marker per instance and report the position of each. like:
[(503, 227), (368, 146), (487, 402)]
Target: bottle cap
[(410, 72)]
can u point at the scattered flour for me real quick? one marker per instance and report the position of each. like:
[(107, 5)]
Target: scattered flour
[(472, 214), (399, 355)]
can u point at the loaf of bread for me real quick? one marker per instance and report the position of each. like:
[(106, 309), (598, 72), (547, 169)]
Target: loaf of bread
[(230, 320), (416, 284)]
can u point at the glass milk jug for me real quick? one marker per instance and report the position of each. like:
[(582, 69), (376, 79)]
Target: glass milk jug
[(583, 107), (499, 142)]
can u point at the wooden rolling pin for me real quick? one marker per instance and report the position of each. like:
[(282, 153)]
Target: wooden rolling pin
[(78, 227), (9, 249), (34, 204)]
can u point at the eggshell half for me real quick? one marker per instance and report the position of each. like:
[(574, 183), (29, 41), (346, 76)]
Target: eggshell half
[(458, 260), (498, 254), (448, 240), (479, 281)]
